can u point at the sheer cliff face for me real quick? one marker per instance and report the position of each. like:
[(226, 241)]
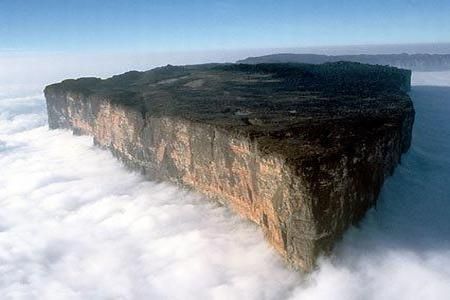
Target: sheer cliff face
[(303, 203)]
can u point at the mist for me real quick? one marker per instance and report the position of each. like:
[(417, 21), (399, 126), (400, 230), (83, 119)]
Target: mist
[(431, 78), (75, 224)]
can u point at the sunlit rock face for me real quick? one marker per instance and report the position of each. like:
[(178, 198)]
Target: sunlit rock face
[(303, 158)]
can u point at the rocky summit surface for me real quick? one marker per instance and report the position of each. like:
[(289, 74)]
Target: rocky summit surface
[(302, 150)]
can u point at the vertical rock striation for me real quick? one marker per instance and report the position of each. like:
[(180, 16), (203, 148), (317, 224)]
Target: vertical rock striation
[(304, 170)]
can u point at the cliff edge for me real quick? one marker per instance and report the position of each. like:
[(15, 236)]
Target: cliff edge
[(302, 150)]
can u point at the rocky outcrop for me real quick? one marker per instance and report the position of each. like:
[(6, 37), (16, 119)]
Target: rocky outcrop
[(304, 170)]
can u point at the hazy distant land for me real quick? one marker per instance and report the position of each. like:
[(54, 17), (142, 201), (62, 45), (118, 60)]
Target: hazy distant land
[(414, 62)]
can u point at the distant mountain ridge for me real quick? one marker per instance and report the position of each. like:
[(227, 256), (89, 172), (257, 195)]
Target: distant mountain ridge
[(414, 62)]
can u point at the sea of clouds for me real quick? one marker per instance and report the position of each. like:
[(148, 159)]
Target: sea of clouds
[(75, 224)]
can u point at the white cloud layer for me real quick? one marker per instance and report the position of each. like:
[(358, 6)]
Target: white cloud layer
[(431, 78), (74, 224)]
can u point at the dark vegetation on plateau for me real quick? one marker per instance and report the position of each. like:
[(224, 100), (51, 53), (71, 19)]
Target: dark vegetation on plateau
[(340, 78), (268, 102), (229, 83)]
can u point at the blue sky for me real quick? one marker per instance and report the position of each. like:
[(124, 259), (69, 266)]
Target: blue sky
[(175, 25)]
